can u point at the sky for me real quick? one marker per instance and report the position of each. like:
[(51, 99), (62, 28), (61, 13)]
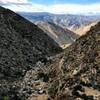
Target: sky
[(54, 6)]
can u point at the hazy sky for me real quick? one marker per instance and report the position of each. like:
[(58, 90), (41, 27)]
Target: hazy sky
[(65, 1), (54, 6)]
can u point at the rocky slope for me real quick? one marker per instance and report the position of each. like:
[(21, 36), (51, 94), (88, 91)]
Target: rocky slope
[(74, 23), (63, 37), (79, 69), (83, 28), (22, 44), (73, 74)]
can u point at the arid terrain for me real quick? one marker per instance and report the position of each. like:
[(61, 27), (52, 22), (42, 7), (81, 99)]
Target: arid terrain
[(36, 62)]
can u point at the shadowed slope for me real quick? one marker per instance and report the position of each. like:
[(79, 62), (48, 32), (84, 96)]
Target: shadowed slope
[(22, 44)]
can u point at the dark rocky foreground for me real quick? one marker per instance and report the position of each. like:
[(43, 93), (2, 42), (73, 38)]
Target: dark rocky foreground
[(22, 44)]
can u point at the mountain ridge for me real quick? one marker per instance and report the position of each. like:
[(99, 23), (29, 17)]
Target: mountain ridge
[(63, 37), (72, 22)]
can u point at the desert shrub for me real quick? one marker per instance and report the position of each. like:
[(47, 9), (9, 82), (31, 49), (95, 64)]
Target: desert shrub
[(64, 96), (4, 98), (85, 97), (44, 76), (52, 90)]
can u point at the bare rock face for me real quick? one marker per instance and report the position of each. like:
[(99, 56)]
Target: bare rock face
[(22, 44)]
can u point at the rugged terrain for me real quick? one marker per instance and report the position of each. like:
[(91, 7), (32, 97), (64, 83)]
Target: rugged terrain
[(80, 67), (63, 37), (22, 44), (71, 75), (32, 69)]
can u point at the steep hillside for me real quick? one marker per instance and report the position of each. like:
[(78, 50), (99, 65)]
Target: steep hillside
[(63, 37), (74, 74), (79, 69), (22, 45)]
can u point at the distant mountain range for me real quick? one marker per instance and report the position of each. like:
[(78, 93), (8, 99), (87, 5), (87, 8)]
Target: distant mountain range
[(63, 37), (76, 23)]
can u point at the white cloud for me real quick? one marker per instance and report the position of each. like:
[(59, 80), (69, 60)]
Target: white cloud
[(75, 8), (27, 6), (13, 1)]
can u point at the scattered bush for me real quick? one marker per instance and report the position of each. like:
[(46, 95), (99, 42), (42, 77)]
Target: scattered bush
[(52, 90), (4, 98)]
